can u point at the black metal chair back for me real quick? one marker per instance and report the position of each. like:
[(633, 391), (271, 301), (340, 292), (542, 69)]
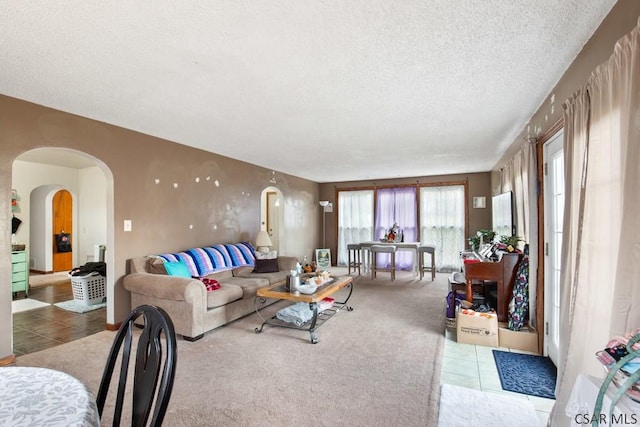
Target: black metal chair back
[(150, 366)]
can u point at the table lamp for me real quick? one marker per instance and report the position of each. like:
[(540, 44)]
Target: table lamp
[(263, 241)]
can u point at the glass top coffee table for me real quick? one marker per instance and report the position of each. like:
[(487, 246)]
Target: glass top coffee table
[(278, 291)]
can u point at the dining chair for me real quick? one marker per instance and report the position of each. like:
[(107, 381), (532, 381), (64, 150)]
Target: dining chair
[(422, 266), (383, 249), (353, 255), (155, 359)]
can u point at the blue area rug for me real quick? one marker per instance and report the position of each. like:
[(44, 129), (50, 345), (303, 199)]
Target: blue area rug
[(526, 373)]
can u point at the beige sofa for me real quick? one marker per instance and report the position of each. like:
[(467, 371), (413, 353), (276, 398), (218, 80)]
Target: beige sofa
[(192, 308)]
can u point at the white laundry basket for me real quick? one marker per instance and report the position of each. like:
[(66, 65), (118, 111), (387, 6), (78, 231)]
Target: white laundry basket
[(89, 289)]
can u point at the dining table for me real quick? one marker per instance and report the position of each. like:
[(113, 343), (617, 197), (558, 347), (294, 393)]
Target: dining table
[(35, 396)]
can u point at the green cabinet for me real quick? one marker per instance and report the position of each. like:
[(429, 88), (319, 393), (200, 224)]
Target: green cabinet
[(20, 272)]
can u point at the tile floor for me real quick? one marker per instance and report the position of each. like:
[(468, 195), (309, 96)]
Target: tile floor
[(473, 366), (47, 327)]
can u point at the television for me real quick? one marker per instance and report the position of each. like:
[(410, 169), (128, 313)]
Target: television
[(502, 215)]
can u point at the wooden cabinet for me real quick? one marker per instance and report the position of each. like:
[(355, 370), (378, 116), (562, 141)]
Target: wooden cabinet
[(502, 272), (20, 272)]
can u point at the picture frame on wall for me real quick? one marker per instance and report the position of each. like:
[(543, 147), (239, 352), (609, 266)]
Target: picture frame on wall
[(323, 258)]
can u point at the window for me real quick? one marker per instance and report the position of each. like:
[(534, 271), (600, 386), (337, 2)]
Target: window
[(438, 219), (442, 223), (355, 220)]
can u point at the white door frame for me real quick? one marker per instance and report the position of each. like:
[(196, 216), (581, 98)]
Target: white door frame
[(553, 209)]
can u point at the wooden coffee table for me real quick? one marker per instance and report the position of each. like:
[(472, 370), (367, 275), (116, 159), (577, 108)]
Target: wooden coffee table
[(278, 291)]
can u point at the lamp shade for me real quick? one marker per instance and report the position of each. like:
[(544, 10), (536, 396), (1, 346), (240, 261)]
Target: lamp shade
[(263, 241)]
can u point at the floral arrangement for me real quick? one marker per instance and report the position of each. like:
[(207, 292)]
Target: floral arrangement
[(392, 233)]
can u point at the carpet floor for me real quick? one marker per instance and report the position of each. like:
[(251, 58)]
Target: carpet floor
[(377, 365), (526, 373)]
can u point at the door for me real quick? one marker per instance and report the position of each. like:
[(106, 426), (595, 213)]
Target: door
[(62, 211), (273, 218), (554, 210)]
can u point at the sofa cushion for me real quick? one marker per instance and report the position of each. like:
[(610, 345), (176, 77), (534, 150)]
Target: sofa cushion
[(249, 285), (177, 268), (220, 276), (266, 265), (226, 294), (271, 278)]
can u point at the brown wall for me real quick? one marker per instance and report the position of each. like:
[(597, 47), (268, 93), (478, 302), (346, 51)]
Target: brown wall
[(164, 218), (478, 184)]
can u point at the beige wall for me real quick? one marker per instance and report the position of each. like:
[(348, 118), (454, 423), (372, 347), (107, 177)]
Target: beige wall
[(478, 185), (164, 217)]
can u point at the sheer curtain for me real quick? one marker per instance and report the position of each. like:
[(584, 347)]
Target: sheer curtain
[(355, 220), (519, 175), (442, 223), (397, 206), (600, 295)]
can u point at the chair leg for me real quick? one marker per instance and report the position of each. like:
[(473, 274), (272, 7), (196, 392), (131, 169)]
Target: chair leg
[(372, 264), (421, 264), (433, 267), (393, 266)]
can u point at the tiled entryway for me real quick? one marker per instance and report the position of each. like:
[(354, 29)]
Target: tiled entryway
[(47, 327), (473, 366)]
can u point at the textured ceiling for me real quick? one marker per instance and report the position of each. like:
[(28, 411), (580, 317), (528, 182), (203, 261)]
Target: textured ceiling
[(328, 90)]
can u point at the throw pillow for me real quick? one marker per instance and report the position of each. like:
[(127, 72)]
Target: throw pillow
[(178, 269), (156, 265), (267, 265)]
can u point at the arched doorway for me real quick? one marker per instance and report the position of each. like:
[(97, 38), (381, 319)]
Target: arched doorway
[(272, 218), (47, 173)]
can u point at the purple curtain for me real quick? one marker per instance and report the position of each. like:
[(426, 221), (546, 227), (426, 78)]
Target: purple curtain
[(397, 205)]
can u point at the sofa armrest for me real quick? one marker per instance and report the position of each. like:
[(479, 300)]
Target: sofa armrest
[(165, 287), (286, 263)]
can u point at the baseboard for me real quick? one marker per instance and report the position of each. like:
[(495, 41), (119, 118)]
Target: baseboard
[(9, 360), (32, 271), (112, 327)]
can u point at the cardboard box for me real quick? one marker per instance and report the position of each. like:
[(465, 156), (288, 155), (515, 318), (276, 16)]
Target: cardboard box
[(525, 339), (473, 327)]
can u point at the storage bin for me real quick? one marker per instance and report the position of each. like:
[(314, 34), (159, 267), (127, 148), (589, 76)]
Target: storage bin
[(89, 289)]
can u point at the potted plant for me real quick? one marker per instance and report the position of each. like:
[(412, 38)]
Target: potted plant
[(484, 236), (511, 243)]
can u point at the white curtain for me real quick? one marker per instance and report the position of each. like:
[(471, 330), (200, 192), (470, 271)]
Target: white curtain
[(442, 222), (519, 175), (355, 220), (600, 290)]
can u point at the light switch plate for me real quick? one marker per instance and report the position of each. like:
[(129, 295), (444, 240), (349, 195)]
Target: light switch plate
[(127, 225)]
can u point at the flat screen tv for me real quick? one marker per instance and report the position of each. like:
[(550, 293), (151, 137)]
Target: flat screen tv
[(502, 215)]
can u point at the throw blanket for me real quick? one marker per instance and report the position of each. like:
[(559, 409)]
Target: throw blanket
[(300, 313)]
